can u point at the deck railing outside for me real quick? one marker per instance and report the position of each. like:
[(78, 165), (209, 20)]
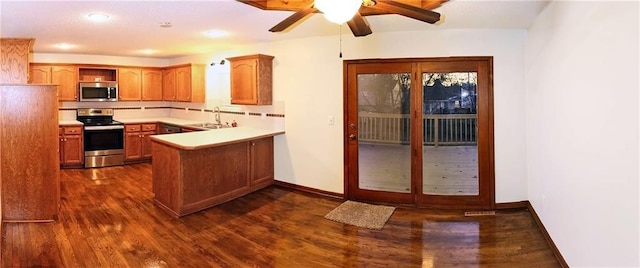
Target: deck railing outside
[(438, 129)]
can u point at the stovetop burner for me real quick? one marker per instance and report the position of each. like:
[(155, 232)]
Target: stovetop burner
[(99, 122), (96, 117)]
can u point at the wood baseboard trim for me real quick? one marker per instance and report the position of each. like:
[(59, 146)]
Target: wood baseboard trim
[(512, 205), (547, 237), (308, 190)]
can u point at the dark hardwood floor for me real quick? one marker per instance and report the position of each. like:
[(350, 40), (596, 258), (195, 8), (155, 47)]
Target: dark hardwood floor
[(107, 219)]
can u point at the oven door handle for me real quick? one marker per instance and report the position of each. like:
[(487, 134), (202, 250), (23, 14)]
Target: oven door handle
[(103, 127)]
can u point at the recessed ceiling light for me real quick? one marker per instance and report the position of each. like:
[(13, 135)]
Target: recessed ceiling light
[(147, 51), (64, 46), (98, 17), (216, 33), (166, 24)]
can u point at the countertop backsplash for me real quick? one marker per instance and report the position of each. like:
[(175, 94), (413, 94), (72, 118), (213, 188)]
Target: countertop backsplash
[(264, 117)]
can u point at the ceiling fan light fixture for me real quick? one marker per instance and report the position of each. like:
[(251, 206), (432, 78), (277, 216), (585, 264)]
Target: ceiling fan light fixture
[(338, 11)]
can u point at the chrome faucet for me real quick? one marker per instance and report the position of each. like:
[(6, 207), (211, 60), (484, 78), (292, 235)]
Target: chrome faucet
[(216, 110)]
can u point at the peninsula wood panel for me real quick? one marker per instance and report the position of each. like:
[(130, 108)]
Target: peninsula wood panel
[(166, 187), (29, 152), (214, 175), (14, 60), (186, 181)]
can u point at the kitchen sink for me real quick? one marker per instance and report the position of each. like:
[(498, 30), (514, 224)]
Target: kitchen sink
[(209, 125)]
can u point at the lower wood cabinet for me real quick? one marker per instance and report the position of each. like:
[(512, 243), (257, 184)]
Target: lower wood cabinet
[(261, 163), (71, 146), (137, 141), (187, 181)]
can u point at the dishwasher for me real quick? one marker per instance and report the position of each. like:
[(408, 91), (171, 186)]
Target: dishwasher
[(169, 129)]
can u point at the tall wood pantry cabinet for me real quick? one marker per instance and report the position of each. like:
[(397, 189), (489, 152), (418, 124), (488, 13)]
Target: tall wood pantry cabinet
[(251, 79), (29, 169), (14, 60)]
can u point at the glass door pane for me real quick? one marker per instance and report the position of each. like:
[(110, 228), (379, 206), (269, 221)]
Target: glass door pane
[(384, 150), (450, 148)]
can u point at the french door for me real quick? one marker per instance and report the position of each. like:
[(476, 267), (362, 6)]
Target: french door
[(420, 131)]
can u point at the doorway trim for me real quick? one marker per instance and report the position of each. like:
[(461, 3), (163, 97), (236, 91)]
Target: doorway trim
[(486, 197)]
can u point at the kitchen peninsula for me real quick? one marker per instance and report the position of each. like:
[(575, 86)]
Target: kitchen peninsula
[(197, 170)]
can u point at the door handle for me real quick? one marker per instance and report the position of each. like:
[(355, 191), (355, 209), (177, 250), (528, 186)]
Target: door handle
[(352, 136)]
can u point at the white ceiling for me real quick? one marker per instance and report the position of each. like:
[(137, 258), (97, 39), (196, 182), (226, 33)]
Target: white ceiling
[(134, 25)]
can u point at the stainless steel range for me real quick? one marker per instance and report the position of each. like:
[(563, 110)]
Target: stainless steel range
[(103, 138)]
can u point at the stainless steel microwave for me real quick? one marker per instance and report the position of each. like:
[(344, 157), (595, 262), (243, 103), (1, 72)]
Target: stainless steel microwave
[(98, 91)]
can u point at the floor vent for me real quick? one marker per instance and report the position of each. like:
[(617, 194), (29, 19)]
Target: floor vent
[(479, 213)]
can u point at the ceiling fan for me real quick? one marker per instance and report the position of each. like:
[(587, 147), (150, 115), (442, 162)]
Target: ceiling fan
[(418, 9)]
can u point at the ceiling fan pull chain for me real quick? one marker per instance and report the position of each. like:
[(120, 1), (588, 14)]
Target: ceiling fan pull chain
[(341, 41)]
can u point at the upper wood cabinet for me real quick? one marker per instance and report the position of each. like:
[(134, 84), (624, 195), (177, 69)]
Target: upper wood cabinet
[(184, 83), (97, 74), (174, 83), (129, 84), (135, 84), (14, 60), (169, 84), (39, 74), (151, 85), (64, 76), (251, 79)]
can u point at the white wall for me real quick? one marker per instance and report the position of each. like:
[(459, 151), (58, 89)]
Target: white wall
[(308, 80), (98, 59), (313, 150), (582, 129)]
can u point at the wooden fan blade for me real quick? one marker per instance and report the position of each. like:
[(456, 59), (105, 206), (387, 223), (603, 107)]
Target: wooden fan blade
[(408, 11), (286, 23), (359, 26)]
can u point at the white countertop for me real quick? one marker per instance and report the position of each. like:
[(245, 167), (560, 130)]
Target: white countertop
[(167, 120), (69, 123), (198, 139), (212, 138)]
